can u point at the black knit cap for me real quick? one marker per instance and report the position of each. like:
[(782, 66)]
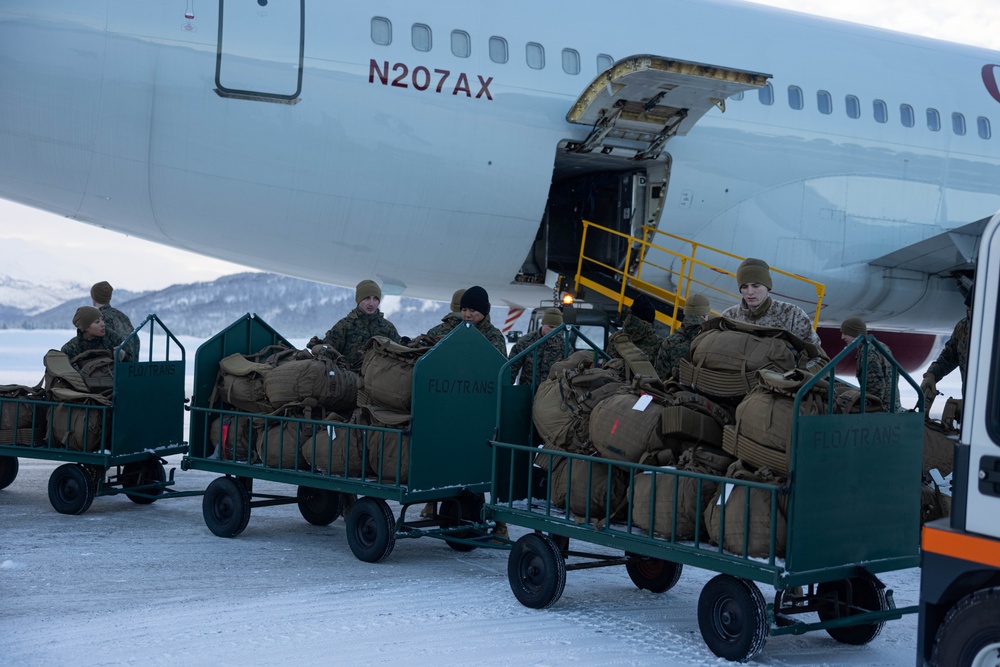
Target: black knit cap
[(477, 299), (644, 309)]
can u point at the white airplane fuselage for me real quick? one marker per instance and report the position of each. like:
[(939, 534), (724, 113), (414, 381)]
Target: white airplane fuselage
[(427, 171)]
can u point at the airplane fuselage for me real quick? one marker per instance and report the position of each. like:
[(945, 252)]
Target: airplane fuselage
[(294, 142)]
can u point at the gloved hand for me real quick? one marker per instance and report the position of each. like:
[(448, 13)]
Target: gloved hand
[(929, 386), (313, 341)]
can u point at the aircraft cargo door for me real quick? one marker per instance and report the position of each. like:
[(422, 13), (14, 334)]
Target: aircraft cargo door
[(617, 174), (260, 49)]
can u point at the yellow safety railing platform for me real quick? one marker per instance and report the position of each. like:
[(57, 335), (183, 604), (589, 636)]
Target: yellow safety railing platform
[(684, 265)]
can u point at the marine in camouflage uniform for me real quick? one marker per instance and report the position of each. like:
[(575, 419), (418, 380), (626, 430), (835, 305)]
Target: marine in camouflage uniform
[(448, 322), (553, 350), (116, 322), (86, 340), (676, 346), (494, 335), (878, 371), (772, 313), (955, 354), (351, 333), (641, 333)]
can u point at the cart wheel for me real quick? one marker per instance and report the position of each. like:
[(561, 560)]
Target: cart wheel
[(732, 617), (457, 511), (653, 574), (845, 598), (71, 489), (319, 507), (8, 470), (371, 530), (226, 507), (967, 635), (536, 571), (140, 473)]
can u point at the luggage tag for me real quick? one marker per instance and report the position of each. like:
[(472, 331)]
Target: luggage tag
[(333, 432), (724, 496), (643, 402)]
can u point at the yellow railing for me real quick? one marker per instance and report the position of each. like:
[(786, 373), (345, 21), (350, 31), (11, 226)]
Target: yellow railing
[(691, 273)]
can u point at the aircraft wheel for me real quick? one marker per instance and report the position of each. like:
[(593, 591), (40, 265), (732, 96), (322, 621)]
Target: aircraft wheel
[(226, 507), (848, 597), (969, 634), (732, 617), (536, 571), (371, 530), (8, 470), (653, 574), (141, 473), (71, 489), (319, 507)]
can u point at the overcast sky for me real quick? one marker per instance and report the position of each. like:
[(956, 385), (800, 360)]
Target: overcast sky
[(974, 22)]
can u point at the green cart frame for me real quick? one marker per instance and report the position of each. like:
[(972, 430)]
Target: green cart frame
[(143, 424), (853, 501), (450, 462)]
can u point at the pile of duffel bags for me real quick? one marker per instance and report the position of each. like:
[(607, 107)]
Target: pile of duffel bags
[(83, 387), (729, 416), (367, 415)]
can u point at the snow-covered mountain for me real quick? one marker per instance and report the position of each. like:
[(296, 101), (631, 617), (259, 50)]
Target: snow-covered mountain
[(295, 308)]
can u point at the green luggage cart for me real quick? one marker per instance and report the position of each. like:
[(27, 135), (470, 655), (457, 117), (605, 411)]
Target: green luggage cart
[(129, 434), (454, 397), (852, 511)]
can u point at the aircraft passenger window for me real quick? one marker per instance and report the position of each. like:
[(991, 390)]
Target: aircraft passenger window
[(498, 50), (933, 120), (853, 106), (535, 55), (958, 124), (571, 61), (766, 95), (824, 102), (795, 97), (381, 31), (461, 45), (984, 127), (421, 37), (906, 116), (604, 61), (880, 110)]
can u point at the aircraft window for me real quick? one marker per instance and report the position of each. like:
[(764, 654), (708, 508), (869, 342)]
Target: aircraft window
[(421, 36), (933, 120), (766, 95), (880, 110), (461, 45), (604, 61), (906, 115), (824, 102), (535, 55), (795, 97), (853, 106), (958, 124), (984, 127), (381, 31), (498, 49), (571, 61)]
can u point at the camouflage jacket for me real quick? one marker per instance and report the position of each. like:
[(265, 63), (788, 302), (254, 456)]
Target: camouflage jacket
[(350, 334), (879, 378), (552, 351), (780, 315), (494, 335), (120, 326), (641, 333), (448, 322), (78, 345), (675, 347), (954, 355)]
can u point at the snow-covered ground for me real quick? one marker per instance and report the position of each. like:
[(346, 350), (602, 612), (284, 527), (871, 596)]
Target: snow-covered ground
[(127, 584)]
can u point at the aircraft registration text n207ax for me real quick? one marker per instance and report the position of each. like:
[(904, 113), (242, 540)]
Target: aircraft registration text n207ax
[(434, 145)]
